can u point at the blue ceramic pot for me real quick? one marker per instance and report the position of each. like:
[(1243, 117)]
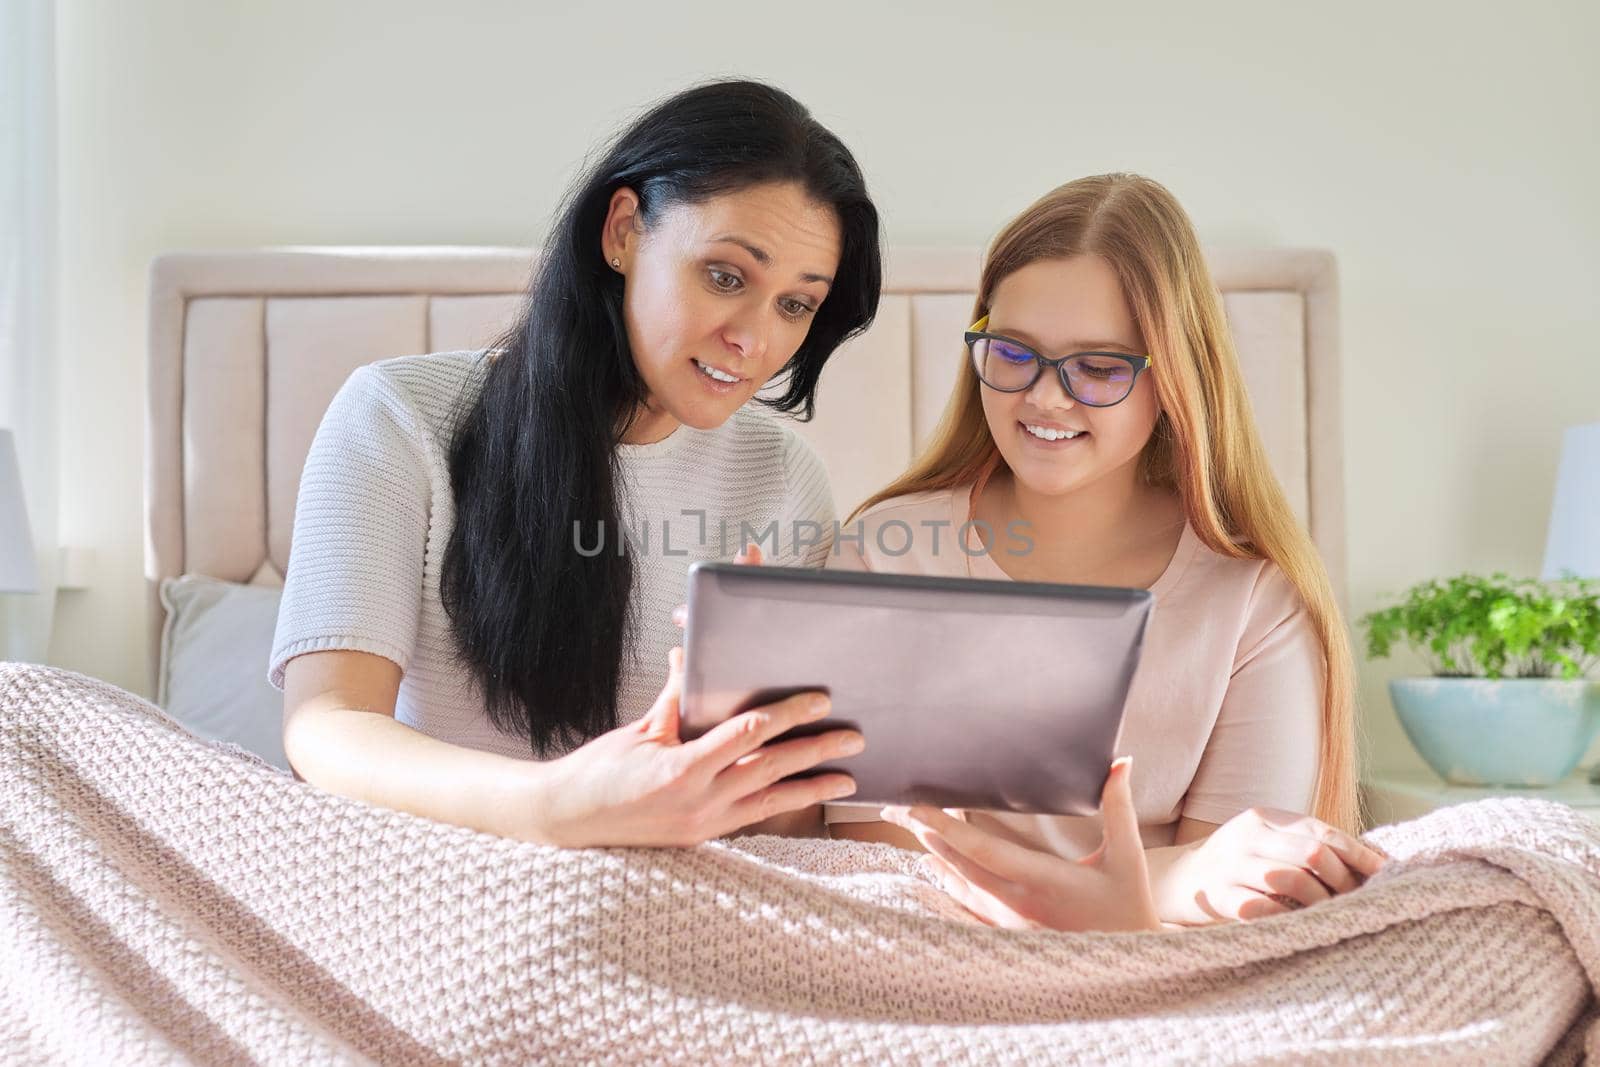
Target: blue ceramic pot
[(1506, 732)]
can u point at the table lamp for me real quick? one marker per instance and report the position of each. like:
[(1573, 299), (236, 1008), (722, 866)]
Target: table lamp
[(19, 571), (1572, 545), (1573, 541)]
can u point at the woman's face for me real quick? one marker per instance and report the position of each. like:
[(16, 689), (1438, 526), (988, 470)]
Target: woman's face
[(718, 296), (1058, 307)]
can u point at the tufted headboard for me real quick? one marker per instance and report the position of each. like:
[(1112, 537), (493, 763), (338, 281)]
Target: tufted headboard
[(248, 348)]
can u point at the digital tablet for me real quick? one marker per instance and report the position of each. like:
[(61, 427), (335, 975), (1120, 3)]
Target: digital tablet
[(971, 693)]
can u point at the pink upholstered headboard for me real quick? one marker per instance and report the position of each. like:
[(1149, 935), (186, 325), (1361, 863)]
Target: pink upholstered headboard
[(247, 349)]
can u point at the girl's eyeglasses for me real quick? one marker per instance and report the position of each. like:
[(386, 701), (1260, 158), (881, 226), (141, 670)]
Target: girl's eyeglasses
[(1096, 379)]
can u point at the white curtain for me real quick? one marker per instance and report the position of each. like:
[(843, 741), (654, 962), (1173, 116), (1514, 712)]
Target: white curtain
[(28, 300)]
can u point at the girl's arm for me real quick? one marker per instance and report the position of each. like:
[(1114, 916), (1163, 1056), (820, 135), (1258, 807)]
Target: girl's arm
[(1213, 873), (637, 785), (1006, 884), (1168, 874)]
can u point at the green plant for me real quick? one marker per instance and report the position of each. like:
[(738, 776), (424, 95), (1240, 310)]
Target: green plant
[(1494, 627)]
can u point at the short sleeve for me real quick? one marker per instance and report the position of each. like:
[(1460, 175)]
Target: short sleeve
[(360, 530), (808, 518), (1265, 746)]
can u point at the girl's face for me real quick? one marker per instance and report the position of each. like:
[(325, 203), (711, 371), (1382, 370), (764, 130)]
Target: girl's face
[(1058, 307), (718, 296)]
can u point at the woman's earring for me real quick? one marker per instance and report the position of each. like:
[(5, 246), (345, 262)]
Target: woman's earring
[(616, 264)]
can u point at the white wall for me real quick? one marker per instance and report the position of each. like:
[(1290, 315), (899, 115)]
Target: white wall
[(1446, 153)]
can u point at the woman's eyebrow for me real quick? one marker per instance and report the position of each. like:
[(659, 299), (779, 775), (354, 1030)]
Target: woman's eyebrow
[(763, 257)]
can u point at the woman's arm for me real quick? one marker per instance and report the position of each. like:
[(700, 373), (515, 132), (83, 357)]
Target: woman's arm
[(340, 734), (637, 785)]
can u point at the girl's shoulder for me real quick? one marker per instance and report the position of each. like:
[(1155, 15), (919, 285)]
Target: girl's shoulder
[(914, 533), (1262, 592), (928, 505)]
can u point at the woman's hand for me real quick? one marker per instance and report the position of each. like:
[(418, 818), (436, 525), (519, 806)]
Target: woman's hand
[(806, 822), (1262, 862), (1006, 884), (641, 785)]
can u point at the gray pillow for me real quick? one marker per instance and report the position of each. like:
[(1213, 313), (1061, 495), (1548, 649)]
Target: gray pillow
[(214, 652)]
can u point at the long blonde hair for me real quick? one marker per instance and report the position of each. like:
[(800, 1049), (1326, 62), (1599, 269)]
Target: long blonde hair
[(1204, 446)]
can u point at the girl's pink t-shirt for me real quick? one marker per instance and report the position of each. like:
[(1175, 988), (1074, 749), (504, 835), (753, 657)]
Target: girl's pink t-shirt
[(1225, 710)]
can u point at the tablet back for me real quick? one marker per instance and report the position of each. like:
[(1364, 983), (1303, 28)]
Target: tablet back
[(970, 693)]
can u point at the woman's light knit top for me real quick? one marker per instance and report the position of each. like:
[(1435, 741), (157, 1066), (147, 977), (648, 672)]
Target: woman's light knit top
[(375, 512)]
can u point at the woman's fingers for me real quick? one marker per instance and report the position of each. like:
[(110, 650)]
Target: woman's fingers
[(660, 723), (680, 616), (786, 796), (773, 762), (734, 738)]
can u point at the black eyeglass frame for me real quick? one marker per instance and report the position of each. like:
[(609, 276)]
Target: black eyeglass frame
[(1040, 362)]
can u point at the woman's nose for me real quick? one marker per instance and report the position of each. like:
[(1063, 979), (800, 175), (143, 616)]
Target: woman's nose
[(747, 333)]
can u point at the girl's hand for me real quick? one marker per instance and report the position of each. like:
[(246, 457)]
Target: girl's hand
[(1009, 885), (641, 785), (1264, 862)]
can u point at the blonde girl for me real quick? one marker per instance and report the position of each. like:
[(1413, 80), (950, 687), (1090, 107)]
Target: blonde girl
[(1100, 433)]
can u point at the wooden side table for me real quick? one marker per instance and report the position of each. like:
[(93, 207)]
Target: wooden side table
[(1396, 796)]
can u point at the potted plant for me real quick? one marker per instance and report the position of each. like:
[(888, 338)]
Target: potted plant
[(1510, 702)]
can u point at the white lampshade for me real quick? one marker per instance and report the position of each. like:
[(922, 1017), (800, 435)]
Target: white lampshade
[(1573, 543), (19, 571)]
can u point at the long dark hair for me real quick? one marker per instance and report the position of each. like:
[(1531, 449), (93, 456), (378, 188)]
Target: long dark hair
[(540, 626)]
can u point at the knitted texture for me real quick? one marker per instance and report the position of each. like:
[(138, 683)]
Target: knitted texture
[(162, 899)]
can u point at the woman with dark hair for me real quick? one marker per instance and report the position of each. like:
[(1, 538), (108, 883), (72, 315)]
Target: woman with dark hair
[(488, 546)]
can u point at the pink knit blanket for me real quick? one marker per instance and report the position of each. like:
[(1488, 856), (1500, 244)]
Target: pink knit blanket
[(162, 899)]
